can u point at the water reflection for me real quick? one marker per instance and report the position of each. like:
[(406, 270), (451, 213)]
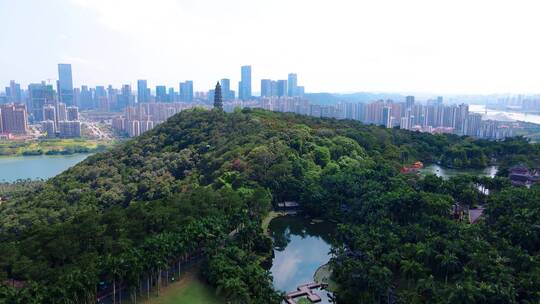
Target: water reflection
[(300, 248)]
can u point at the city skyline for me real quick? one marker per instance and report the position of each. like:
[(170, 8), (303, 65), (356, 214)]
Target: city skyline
[(185, 90), (454, 47)]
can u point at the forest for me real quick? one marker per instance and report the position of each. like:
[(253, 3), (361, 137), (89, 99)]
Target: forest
[(200, 184)]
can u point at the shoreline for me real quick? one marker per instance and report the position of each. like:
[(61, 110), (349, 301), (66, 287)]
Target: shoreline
[(62, 153), (51, 147), (265, 223)]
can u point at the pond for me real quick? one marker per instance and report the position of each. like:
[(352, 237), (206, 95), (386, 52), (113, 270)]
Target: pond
[(301, 246), (446, 173)]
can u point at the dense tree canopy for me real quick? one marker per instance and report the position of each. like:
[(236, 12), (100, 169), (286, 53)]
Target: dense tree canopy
[(200, 183)]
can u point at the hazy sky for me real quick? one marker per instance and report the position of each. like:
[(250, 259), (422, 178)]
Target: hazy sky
[(454, 46)]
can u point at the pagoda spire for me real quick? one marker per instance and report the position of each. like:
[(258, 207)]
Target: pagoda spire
[(218, 99)]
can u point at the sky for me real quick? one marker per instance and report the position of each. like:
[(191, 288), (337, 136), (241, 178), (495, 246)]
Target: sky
[(444, 47)]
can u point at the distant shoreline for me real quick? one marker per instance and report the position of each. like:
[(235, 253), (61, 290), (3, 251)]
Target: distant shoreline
[(53, 147)]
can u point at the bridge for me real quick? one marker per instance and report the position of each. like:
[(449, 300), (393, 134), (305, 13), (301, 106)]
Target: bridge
[(307, 291)]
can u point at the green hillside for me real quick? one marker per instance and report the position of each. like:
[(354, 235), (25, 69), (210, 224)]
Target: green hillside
[(200, 184)]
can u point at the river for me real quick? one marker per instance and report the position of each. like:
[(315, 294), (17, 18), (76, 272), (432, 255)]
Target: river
[(13, 168), (301, 246), (504, 115)]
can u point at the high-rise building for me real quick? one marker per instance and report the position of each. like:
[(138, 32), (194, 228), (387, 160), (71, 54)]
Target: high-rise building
[(61, 112), (463, 113), (14, 118), (14, 92), (282, 88), (49, 113), (300, 91), (49, 127), (387, 116), (112, 96), (125, 98), (186, 91), (86, 101), (133, 128), (39, 95), (65, 84), (142, 91), (292, 83), (145, 126), (72, 113), (69, 129), (172, 96), (360, 112), (244, 87), (161, 94), (100, 94), (409, 102), (473, 124), (266, 87), (6, 96), (226, 89), (404, 123)]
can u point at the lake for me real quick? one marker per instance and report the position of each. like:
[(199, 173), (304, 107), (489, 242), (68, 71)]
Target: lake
[(301, 246), (446, 173), (13, 168)]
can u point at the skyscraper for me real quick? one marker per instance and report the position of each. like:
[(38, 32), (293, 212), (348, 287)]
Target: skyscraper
[(186, 91), (49, 113), (387, 117), (226, 89), (292, 83), (300, 90), (15, 92), (72, 113), (472, 124), (65, 84), (125, 98), (39, 95), (172, 95), (463, 114), (86, 101), (161, 93), (100, 95), (244, 88), (409, 102), (142, 90), (61, 112), (266, 87), (282, 88)]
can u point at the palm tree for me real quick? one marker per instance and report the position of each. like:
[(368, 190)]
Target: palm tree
[(134, 269), (411, 269), (116, 268), (449, 261)]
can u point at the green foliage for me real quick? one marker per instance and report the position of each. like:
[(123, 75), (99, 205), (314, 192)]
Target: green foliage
[(402, 242), (128, 213)]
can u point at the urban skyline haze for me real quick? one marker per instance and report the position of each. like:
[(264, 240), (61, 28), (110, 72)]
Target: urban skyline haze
[(444, 47)]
